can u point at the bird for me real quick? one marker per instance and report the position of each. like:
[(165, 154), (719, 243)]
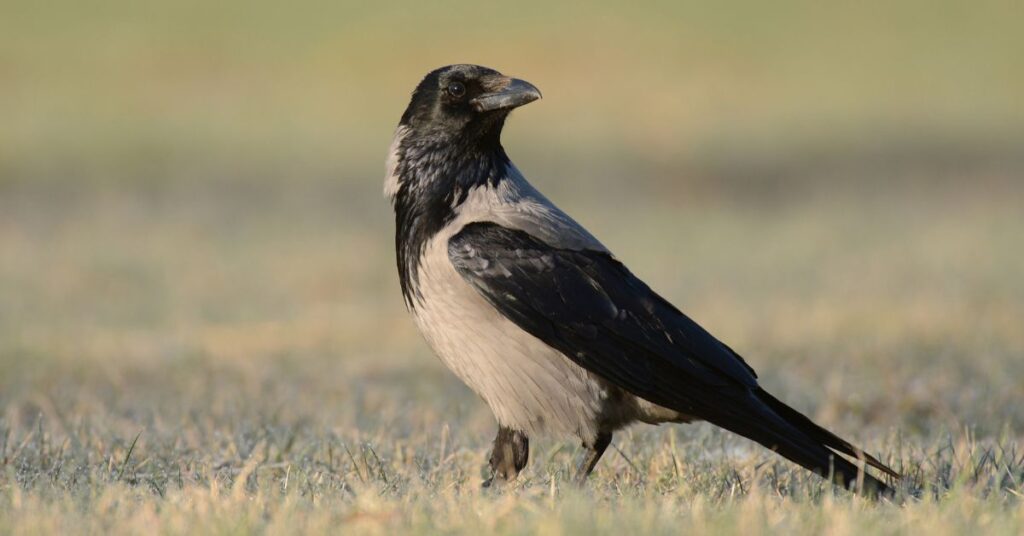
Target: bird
[(540, 320)]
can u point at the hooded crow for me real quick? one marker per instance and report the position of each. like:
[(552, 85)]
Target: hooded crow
[(539, 319)]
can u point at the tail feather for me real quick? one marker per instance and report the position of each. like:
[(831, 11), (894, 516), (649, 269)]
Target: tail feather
[(798, 439), (822, 435)]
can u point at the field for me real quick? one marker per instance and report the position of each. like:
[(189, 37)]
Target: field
[(201, 328)]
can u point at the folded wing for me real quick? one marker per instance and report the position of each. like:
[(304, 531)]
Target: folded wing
[(590, 307)]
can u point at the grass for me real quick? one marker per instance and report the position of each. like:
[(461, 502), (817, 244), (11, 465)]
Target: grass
[(200, 325), (193, 360), (151, 92)]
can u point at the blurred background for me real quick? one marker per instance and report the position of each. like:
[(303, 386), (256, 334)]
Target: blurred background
[(193, 239)]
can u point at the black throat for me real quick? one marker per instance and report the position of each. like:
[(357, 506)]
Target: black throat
[(435, 177)]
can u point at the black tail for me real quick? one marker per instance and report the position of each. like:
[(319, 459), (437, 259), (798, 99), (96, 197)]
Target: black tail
[(822, 435), (798, 439)]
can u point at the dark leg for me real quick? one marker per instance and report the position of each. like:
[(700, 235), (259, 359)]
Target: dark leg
[(592, 455), (509, 456)]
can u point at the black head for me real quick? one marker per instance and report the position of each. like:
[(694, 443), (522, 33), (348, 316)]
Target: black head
[(447, 144), (467, 102)]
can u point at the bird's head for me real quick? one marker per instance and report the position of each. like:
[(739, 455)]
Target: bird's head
[(467, 103), (447, 143)]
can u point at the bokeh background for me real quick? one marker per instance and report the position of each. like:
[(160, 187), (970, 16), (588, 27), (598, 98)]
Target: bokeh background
[(194, 245)]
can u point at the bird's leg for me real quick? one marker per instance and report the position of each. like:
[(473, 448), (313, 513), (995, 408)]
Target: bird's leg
[(509, 456), (592, 455)]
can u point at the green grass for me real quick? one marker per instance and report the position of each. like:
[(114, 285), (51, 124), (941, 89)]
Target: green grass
[(115, 91), (201, 328)]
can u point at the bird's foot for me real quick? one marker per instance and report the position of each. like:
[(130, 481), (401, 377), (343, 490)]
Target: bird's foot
[(592, 455), (508, 457)]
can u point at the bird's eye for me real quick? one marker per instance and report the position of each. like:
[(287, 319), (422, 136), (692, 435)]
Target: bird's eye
[(456, 89)]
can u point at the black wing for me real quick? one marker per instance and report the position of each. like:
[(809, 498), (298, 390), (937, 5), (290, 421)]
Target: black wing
[(590, 307)]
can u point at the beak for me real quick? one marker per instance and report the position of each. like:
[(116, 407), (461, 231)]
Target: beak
[(504, 93)]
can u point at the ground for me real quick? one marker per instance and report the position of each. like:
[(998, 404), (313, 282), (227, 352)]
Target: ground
[(245, 364)]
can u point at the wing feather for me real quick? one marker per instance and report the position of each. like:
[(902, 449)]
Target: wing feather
[(589, 306)]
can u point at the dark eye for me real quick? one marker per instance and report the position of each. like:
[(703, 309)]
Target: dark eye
[(456, 89)]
